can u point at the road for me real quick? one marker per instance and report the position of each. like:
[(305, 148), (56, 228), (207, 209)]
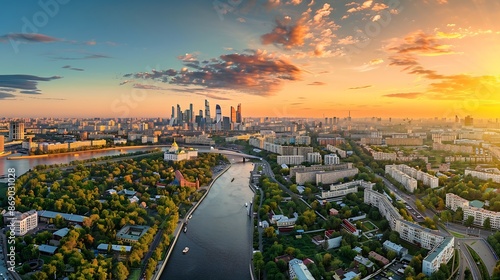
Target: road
[(470, 261), (464, 254)]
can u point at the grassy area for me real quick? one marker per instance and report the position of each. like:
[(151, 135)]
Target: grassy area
[(480, 264), (456, 234), (369, 226), (135, 274)]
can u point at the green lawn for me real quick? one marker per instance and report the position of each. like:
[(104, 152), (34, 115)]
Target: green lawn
[(135, 274), (456, 234), (369, 226)]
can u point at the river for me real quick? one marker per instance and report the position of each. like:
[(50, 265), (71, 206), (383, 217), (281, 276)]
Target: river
[(219, 235), (23, 165)]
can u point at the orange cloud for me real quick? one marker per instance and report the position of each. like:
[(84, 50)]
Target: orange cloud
[(311, 35), (254, 72), (407, 95)]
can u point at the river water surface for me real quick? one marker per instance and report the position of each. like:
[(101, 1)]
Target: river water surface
[(219, 235)]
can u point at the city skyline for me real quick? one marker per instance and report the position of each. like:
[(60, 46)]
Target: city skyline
[(288, 58)]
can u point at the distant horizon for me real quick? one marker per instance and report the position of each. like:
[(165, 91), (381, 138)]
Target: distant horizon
[(343, 119)]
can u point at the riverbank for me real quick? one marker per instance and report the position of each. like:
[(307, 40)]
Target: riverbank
[(178, 230), (87, 151)]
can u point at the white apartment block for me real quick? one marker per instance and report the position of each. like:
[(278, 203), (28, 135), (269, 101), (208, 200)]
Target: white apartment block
[(334, 176), (345, 188), (333, 149), (418, 235), (290, 160), (483, 175), (383, 156), (23, 222), (407, 181), (314, 157), (331, 159), (452, 148), (273, 148), (427, 179), (454, 202), (439, 137), (408, 231), (384, 206), (338, 190), (438, 255)]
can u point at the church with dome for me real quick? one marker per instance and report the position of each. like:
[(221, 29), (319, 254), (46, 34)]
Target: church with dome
[(175, 153)]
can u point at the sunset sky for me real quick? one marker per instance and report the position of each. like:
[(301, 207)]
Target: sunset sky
[(279, 58)]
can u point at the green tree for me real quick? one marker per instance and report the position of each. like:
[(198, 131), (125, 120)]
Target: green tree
[(469, 221), (487, 223), (120, 271)]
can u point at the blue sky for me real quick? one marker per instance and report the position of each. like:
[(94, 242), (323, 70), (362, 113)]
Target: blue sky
[(277, 57)]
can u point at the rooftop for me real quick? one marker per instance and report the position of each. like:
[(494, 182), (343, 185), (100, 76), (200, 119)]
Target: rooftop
[(68, 217), (439, 249)]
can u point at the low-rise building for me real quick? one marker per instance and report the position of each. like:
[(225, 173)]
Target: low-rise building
[(131, 233), (398, 249), (298, 270)]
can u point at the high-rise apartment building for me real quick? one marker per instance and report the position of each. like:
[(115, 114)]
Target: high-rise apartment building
[(16, 131)]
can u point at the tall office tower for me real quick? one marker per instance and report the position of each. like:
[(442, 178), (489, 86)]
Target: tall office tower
[(233, 115), (16, 131), (218, 113), (172, 116), (201, 113), (468, 121), (179, 115), (2, 140), (226, 123), (187, 116), (238, 114), (208, 119), (218, 117), (191, 116), (207, 109)]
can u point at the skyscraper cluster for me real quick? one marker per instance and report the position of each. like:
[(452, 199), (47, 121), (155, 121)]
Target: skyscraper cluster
[(188, 120)]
